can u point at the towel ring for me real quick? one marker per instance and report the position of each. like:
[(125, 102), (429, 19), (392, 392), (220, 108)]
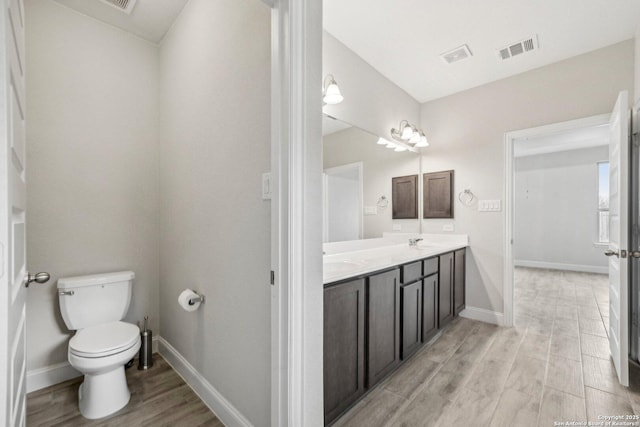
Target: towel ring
[(383, 202), (466, 197)]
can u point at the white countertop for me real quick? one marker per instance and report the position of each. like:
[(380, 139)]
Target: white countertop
[(349, 259)]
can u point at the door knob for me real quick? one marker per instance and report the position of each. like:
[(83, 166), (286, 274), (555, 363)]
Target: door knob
[(41, 277), (609, 252), (634, 254)]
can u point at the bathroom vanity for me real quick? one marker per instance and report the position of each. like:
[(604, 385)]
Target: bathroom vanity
[(381, 304)]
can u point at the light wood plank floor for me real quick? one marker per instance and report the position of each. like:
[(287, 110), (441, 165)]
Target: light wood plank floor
[(159, 397), (552, 366)]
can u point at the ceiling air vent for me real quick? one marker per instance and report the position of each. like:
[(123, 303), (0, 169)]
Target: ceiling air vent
[(518, 48), (457, 54), (125, 6)]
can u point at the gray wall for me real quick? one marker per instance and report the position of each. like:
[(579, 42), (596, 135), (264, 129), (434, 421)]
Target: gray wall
[(379, 165), (556, 208), (92, 120), (214, 146), (466, 133), (371, 101)]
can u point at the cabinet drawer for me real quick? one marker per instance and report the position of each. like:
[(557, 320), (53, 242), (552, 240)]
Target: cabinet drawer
[(411, 272), (430, 266)]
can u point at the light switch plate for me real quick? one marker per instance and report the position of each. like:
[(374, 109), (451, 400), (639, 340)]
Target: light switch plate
[(370, 210), (266, 186), (397, 227), (447, 227), (489, 205)]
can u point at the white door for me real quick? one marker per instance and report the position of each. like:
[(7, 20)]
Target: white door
[(13, 274), (342, 203), (619, 237)]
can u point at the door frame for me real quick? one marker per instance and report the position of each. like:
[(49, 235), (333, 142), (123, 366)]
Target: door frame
[(296, 219), (349, 166), (509, 196)]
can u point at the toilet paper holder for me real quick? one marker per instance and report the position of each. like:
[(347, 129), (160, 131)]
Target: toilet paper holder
[(199, 298)]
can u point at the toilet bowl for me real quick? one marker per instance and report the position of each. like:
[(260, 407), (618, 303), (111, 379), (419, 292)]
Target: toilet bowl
[(100, 353), (94, 307)]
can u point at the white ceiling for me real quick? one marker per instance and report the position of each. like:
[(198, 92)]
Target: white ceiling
[(574, 139), (150, 19), (403, 39)]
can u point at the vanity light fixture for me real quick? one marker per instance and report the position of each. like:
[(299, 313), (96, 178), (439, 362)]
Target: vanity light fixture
[(409, 134), (330, 91), (423, 141)]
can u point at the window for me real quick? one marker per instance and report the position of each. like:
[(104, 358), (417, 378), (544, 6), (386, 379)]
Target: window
[(603, 202)]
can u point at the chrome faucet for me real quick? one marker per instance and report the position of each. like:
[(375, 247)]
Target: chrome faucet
[(414, 242)]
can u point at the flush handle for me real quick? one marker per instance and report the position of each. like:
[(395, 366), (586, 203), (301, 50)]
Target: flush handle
[(41, 277)]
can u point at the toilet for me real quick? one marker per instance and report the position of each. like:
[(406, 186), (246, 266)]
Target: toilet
[(94, 307)]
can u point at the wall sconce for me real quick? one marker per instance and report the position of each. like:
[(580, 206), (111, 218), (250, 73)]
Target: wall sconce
[(409, 134), (330, 91)]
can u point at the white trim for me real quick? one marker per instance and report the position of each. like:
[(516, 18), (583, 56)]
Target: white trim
[(47, 376), (223, 409), (509, 138), (296, 221), (40, 378), (561, 266), (483, 315)]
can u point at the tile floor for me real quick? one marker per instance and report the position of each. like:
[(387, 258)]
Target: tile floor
[(552, 366), (159, 397)]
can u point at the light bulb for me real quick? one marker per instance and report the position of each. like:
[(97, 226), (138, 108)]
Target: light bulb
[(423, 141), (407, 133), (415, 138), (332, 95)]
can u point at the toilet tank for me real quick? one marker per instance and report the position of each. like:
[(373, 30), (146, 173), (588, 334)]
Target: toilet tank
[(94, 299)]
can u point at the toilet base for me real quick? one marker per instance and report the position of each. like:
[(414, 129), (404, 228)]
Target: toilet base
[(103, 394)]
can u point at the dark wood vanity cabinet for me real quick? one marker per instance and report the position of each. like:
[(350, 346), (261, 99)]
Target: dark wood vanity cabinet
[(383, 324), (411, 330), (445, 289), (459, 281), (344, 346), (373, 324), (429, 307)]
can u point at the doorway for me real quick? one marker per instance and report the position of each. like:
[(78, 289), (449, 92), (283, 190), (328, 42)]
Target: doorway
[(342, 203)]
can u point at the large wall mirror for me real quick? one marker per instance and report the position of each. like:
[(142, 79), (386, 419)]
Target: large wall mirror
[(357, 183)]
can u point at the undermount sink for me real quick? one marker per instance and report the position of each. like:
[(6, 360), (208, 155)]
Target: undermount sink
[(333, 267)]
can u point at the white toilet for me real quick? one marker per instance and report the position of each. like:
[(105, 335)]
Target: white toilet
[(94, 306)]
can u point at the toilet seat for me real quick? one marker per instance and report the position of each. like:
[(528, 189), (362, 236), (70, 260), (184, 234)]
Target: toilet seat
[(104, 340)]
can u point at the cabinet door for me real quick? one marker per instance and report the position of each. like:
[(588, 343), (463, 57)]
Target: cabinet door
[(429, 307), (344, 306), (445, 289), (383, 325), (404, 197), (459, 281), (411, 301)]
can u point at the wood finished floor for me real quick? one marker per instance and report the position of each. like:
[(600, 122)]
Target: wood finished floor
[(552, 366), (159, 397)]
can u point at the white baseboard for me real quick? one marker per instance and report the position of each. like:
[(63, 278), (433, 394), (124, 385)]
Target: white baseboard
[(483, 315), (561, 266), (49, 375), (223, 409), (60, 372)]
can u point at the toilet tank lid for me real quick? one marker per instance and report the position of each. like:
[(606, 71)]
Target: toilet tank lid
[(94, 279)]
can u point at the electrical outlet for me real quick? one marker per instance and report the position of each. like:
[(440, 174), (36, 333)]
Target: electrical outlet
[(370, 210), (397, 227), (447, 227)]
